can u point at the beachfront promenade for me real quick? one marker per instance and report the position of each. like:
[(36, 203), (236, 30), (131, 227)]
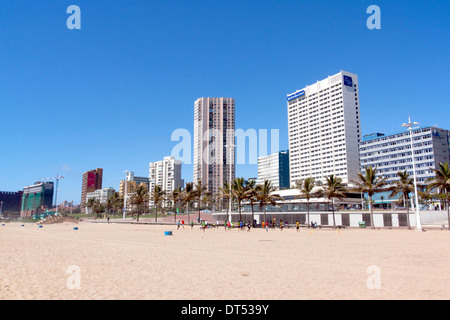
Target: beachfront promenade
[(382, 218)]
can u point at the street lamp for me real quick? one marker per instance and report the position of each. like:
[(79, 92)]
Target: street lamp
[(229, 146), (125, 194), (409, 126)]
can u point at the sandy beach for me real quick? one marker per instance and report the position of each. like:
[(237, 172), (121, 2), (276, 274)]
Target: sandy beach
[(129, 261)]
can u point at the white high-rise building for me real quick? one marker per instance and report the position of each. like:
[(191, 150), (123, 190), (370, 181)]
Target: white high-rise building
[(165, 173), (324, 129), (214, 126), (274, 168)]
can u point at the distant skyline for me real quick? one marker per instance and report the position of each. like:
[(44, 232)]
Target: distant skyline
[(110, 94)]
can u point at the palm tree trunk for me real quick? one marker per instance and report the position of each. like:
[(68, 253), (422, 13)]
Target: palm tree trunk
[(253, 212), (448, 212), (265, 220), (407, 211), (156, 213), (187, 209), (175, 212), (307, 211), (372, 224), (332, 208), (240, 215)]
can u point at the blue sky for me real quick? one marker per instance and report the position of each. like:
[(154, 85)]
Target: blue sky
[(111, 94)]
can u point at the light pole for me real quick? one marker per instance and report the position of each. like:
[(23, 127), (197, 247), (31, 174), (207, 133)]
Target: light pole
[(1, 208), (125, 194), (57, 178), (409, 126), (230, 146)]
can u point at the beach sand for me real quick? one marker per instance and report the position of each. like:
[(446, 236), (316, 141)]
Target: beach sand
[(128, 261)]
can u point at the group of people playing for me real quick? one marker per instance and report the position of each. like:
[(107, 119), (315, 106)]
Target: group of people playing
[(241, 225)]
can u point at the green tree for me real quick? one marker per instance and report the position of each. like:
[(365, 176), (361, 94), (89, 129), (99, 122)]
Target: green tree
[(251, 195), (200, 191), (405, 185), (238, 190), (306, 188), (371, 184), (138, 199), (265, 195), (157, 196), (174, 197), (188, 195), (441, 183), (225, 193), (333, 189), (90, 204)]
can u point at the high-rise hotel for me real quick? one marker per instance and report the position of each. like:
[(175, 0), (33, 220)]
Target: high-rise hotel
[(214, 127), (324, 129)]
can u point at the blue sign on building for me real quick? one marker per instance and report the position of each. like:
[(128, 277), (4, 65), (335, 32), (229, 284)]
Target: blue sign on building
[(296, 95), (348, 81)]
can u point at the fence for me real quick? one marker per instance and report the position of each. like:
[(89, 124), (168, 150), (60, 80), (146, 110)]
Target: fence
[(381, 219)]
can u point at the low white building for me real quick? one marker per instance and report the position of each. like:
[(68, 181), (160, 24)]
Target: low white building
[(392, 153), (102, 195)]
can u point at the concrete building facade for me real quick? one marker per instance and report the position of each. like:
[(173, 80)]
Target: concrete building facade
[(92, 180), (166, 174), (324, 129), (275, 168), (214, 130)]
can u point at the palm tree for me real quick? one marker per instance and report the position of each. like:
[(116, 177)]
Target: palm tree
[(118, 203), (188, 195), (369, 183), (174, 197), (207, 200), (97, 207), (426, 195), (404, 185), (265, 196), (306, 188), (250, 194), (114, 203), (157, 196), (90, 204), (139, 198), (224, 193), (200, 191), (238, 191), (110, 202), (332, 189), (441, 183)]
